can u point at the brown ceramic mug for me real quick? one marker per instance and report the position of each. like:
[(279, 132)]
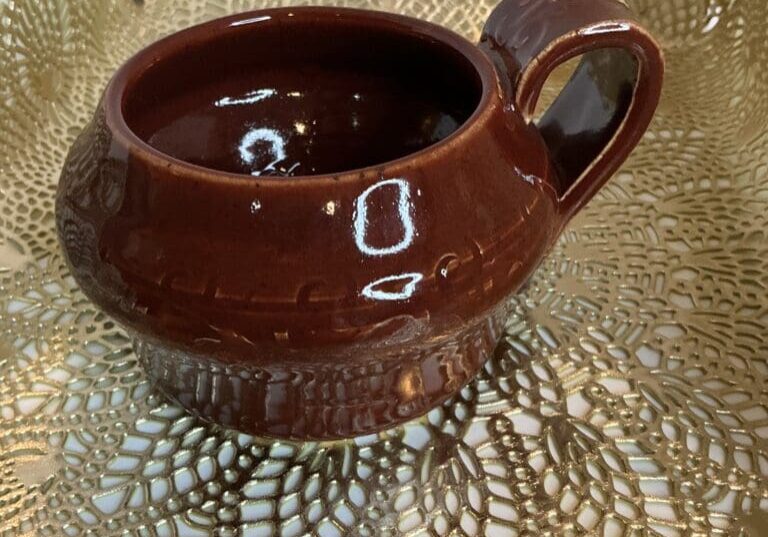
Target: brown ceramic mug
[(311, 219)]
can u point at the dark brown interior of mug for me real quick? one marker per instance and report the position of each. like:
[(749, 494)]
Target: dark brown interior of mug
[(313, 96)]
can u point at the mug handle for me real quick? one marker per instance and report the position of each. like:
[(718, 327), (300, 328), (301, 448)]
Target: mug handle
[(607, 105)]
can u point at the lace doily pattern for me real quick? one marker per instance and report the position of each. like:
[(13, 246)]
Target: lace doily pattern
[(628, 396)]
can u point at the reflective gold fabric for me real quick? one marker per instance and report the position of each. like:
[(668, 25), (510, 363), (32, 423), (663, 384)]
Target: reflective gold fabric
[(629, 397)]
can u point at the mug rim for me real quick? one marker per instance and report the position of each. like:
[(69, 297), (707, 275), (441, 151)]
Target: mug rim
[(167, 47)]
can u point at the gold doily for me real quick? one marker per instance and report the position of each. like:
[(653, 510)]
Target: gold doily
[(629, 397)]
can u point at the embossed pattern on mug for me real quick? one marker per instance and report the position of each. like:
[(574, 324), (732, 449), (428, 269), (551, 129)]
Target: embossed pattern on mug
[(629, 394)]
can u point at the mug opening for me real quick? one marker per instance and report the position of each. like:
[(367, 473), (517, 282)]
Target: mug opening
[(303, 92)]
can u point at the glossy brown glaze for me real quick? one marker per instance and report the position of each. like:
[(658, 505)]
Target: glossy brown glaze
[(359, 279), (309, 106), (602, 113)]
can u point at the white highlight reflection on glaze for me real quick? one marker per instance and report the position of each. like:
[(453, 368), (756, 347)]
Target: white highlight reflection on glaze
[(251, 20), (262, 134), (410, 281), (605, 28), (404, 212), (249, 98)]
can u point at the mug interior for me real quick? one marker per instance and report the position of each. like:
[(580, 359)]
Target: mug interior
[(303, 95)]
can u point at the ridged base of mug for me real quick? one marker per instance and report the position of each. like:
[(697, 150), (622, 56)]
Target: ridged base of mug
[(332, 399)]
